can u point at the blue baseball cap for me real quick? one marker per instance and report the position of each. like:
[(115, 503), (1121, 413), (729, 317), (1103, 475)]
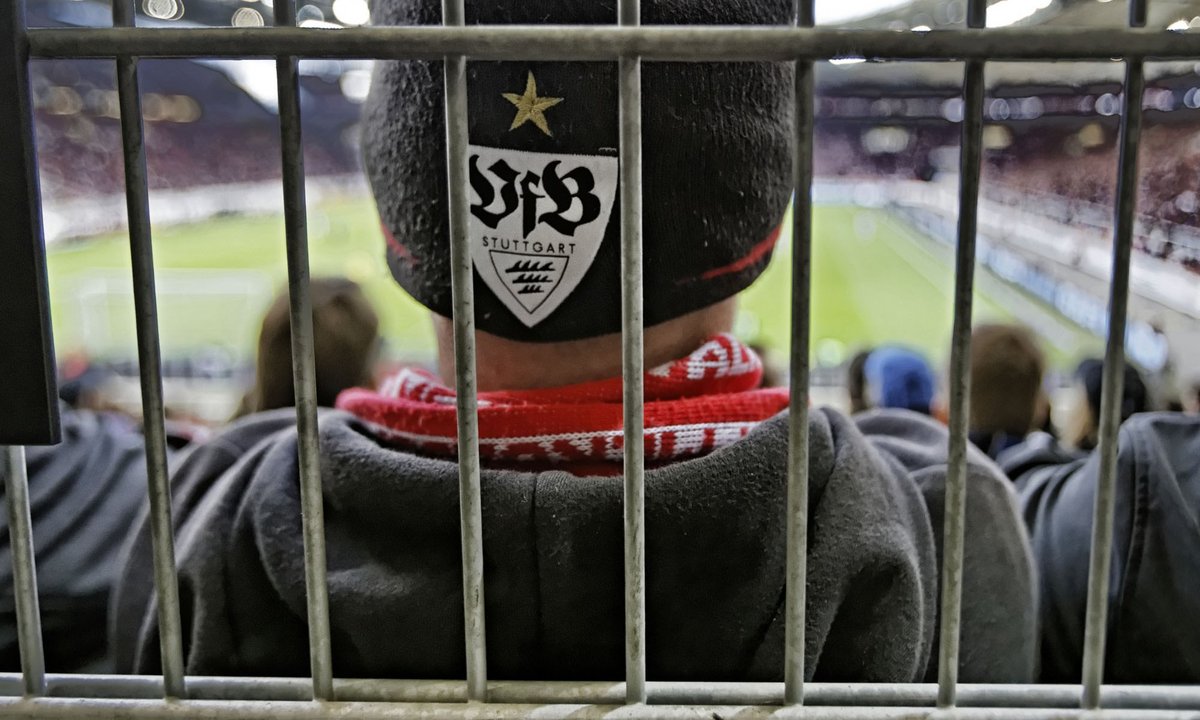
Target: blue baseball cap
[(899, 378)]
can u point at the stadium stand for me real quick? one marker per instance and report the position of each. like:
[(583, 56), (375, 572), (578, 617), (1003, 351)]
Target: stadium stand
[(207, 122)]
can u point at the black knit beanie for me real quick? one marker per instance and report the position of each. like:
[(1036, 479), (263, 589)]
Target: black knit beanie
[(545, 210)]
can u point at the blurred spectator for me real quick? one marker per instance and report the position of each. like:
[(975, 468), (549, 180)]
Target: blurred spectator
[(774, 373), (85, 494), (1191, 398), (1006, 386), (1083, 424), (856, 382), (346, 336), (82, 383), (1155, 550), (900, 378)]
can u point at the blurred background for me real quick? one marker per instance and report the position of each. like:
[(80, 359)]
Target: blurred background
[(886, 154)]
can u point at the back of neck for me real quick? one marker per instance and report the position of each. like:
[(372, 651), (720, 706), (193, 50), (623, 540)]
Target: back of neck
[(503, 364)]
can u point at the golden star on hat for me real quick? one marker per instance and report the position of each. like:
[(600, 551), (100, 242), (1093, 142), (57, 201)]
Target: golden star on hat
[(530, 107)]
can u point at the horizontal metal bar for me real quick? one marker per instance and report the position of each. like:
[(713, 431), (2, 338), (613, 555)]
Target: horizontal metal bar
[(608, 42), (148, 687), (243, 710)]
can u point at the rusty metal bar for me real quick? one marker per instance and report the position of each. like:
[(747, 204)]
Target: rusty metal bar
[(1100, 563), (632, 362), (1164, 697), (304, 372), (69, 709), (25, 597), (970, 155), (463, 297), (607, 42), (797, 469), (133, 142)]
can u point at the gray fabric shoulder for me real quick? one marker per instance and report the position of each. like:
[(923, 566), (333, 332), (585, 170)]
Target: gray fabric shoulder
[(1000, 596), (194, 474), (715, 550), (872, 578), (1155, 579), (1156, 551), (1039, 451)]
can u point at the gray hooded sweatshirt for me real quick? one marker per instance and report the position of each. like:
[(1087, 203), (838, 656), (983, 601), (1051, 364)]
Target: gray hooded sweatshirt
[(1154, 597), (715, 555)]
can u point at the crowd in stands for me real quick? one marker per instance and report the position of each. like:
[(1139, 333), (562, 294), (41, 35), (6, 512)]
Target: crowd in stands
[(82, 156), (1069, 174), (214, 135), (1055, 472), (551, 442)]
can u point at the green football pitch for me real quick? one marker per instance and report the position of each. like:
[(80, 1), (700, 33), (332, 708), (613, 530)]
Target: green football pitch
[(875, 280)]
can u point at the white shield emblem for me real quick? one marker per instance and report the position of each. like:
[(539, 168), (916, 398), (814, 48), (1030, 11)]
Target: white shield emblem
[(537, 220)]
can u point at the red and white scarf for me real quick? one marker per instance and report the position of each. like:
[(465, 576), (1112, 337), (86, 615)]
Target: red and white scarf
[(694, 405)]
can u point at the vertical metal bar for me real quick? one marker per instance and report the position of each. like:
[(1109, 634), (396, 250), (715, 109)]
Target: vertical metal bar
[(632, 360), (20, 539), (149, 361), (304, 365), (29, 393), (1100, 564), (462, 289), (797, 503), (970, 155)]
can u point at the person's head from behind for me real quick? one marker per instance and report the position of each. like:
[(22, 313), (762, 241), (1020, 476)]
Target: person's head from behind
[(1191, 398), (544, 225), (1083, 426), (856, 382), (897, 377), (345, 339), (1006, 369)]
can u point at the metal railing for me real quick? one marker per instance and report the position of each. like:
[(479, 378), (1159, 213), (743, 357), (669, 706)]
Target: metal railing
[(28, 362)]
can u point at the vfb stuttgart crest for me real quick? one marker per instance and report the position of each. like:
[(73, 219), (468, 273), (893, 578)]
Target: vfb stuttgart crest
[(537, 220)]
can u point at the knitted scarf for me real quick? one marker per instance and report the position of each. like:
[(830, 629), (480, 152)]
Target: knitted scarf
[(694, 405)]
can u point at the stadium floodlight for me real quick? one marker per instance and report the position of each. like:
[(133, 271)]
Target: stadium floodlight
[(351, 12), (247, 17), (850, 10), (1007, 12)]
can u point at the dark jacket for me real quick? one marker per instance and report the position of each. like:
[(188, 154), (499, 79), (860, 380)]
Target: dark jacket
[(1153, 636), (84, 494), (553, 561)]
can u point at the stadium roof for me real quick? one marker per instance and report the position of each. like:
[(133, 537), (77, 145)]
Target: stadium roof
[(310, 13), (941, 14), (946, 78), (894, 78), (1054, 13)]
